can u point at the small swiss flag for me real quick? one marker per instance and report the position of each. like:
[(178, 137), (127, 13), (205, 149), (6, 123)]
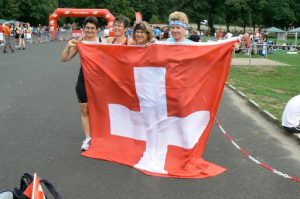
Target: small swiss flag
[(34, 190)]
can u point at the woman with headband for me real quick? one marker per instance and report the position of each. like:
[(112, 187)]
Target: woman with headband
[(178, 22)]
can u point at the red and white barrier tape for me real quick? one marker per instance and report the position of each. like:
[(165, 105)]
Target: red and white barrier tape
[(296, 179)]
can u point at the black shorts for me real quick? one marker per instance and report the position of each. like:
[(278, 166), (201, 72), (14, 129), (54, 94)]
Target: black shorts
[(80, 88), (295, 129)]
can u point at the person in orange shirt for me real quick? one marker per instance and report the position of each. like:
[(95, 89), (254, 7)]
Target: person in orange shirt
[(7, 39)]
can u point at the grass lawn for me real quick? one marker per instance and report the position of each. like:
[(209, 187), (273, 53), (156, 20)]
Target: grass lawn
[(270, 86)]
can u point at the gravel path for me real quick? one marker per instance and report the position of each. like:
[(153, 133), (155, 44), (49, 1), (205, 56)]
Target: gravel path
[(255, 62)]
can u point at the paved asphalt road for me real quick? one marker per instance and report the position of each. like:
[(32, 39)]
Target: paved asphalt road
[(40, 132)]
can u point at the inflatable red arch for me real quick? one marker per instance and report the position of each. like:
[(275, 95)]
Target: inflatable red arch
[(73, 12)]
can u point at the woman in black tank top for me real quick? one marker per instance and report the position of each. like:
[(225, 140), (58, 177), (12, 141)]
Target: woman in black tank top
[(120, 27), (90, 34)]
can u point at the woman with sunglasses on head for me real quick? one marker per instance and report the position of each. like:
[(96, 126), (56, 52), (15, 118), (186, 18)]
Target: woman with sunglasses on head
[(90, 34), (120, 27), (178, 22)]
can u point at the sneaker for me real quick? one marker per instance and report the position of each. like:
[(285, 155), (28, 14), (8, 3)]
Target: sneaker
[(86, 143)]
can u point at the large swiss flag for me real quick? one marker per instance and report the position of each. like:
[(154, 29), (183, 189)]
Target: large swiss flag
[(153, 107)]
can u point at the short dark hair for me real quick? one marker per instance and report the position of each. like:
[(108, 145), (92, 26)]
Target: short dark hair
[(124, 20), (92, 20)]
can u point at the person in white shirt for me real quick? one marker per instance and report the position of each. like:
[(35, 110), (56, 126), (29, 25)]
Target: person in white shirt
[(291, 116), (228, 35), (106, 32)]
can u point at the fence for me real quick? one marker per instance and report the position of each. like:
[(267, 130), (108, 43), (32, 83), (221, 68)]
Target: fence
[(263, 49)]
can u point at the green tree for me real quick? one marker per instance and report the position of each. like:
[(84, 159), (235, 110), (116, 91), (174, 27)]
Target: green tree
[(212, 13), (148, 8), (36, 11), (196, 10), (166, 7), (236, 11), (296, 6), (257, 12), (9, 9), (279, 13)]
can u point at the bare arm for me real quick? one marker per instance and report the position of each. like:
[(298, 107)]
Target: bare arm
[(108, 40), (70, 50)]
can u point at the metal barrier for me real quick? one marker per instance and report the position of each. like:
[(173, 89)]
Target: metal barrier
[(40, 37), (64, 35), (263, 49)]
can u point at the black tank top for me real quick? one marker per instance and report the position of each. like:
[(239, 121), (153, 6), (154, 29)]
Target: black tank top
[(124, 43)]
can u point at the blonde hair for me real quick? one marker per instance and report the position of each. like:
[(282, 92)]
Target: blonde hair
[(179, 16)]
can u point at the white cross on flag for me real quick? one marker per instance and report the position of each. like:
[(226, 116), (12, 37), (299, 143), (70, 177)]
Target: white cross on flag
[(35, 190), (152, 108)]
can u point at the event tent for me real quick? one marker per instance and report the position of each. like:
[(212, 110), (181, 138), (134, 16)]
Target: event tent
[(11, 21), (3, 21), (281, 34), (296, 30)]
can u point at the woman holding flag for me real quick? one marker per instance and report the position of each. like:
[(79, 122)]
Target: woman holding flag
[(178, 26), (90, 34), (120, 27), (142, 34)]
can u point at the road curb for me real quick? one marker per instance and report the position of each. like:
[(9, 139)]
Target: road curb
[(270, 116), (256, 106), (241, 94)]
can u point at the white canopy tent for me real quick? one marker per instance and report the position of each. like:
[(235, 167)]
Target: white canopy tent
[(281, 34), (296, 33)]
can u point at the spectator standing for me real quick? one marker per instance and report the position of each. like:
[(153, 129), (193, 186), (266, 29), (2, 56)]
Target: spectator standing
[(29, 33), (16, 33), (257, 35), (219, 35), (22, 31), (247, 43), (1, 34), (157, 33), (194, 36), (129, 32), (228, 35), (90, 34), (165, 34), (7, 38), (106, 32)]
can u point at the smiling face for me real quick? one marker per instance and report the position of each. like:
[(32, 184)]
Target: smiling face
[(90, 31), (177, 32), (119, 29), (142, 33), (141, 37)]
